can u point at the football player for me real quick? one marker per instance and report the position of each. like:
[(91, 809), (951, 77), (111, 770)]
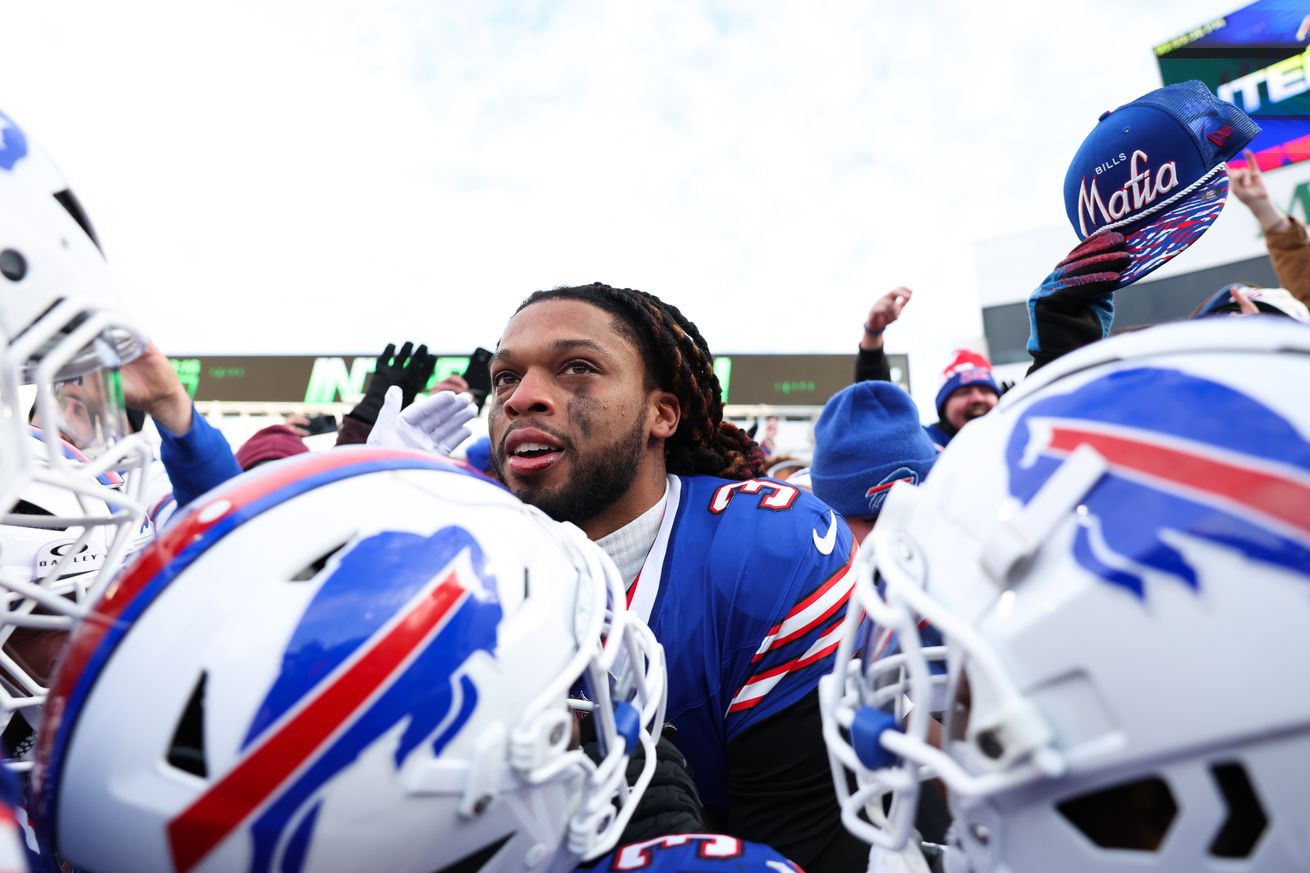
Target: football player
[(606, 413)]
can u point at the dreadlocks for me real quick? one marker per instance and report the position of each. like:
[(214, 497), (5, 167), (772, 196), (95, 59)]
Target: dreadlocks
[(677, 360)]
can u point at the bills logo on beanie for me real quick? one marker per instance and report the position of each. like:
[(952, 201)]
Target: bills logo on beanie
[(878, 493), (967, 368)]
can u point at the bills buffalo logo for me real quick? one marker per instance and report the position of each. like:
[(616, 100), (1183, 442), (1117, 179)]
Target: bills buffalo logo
[(1173, 474), (380, 651), (878, 493), (13, 144)]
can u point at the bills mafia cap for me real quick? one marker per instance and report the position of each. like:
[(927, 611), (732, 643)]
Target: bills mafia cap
[(1155, 170)]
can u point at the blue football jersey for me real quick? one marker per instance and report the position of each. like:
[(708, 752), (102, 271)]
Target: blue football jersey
[(746, 587), (694, 853)]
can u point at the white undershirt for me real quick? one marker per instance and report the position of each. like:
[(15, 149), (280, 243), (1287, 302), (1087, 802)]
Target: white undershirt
[(629, 545)]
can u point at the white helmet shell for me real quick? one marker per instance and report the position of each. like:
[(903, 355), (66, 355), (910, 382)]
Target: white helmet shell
[(61, 341), (373, 660), (1102, 591)]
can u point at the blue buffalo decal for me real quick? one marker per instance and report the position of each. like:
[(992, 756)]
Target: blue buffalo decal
[(13, 144), (1185, 454), (384, 642)]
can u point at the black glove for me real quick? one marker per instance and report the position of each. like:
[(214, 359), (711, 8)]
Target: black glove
[(671, 804), (411, 371), (1074, 306)]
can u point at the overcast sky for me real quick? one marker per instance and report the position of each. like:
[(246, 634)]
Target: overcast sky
[(303, 177)]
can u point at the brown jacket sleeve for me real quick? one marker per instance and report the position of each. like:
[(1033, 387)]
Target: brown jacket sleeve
[(1289, 249)]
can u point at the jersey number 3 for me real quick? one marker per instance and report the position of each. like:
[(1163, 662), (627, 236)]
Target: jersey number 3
[(777, 496)]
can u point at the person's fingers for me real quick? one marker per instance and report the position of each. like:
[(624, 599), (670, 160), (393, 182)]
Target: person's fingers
[(405, 351), (391, 403), (1102, 263), (383, 432), (459, 415), (1244, 304), (470, 410), (387, 354), (452, 441), (437, 412), (453, 383), (899, 303), (435, 404), (441, 418), (1249, 157), (1090, 284), (460, 409), (298, 423)]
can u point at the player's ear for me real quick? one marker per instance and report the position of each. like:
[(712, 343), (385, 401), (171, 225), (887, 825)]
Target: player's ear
[(667, 413)]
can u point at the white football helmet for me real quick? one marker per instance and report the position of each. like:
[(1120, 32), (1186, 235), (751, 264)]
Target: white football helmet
[(1117, 563), (360, 659), (61, 342)]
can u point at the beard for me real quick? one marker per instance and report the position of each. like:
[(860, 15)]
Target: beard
[(600, 478)]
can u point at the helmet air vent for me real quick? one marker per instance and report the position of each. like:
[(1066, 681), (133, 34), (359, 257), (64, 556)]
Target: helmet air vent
[(313, 568), (1246, 820), (186, 751)]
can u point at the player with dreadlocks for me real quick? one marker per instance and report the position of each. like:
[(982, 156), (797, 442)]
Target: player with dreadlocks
[(606, 413)]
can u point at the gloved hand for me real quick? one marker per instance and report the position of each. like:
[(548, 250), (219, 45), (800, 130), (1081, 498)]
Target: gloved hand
[(1074, 306), (410, 371), (671, 804), (432, 424)]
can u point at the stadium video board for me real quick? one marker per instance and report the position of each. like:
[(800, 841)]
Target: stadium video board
[(1257, 58), (784, 380)]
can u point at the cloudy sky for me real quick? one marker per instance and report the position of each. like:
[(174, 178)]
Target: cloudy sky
[(303, 177)]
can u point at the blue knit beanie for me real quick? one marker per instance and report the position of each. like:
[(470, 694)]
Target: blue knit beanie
[(868, 438), (967, 368)]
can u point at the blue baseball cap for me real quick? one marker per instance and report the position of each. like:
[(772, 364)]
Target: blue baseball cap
[(1155, 170)]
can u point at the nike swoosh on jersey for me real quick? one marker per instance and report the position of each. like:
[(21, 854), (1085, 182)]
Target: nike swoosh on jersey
[(826, 543)]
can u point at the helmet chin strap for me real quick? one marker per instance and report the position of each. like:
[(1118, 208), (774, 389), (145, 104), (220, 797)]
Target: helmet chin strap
[(909, 859), (1022, 530)]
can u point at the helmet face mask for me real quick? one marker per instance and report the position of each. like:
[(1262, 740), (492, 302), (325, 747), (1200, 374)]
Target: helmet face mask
[(61, 541), (1115, 680), (71, 474), (268, 598)]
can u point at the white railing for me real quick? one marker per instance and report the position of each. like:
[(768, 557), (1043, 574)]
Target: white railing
[(239, 420)]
